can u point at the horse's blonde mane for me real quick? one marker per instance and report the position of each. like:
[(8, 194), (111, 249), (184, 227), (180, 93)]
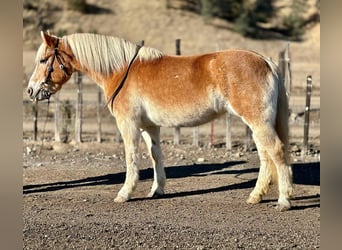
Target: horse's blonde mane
[(106, 54)]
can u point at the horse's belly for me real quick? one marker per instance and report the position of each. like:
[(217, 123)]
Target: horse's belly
[(180, 117)]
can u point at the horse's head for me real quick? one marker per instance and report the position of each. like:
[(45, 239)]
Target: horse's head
[(53, 68)]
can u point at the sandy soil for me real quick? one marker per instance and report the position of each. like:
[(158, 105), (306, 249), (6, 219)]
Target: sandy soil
[(68, 193)]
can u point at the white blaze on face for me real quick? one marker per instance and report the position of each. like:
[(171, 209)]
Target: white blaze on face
[(38, 77), (34, 84)]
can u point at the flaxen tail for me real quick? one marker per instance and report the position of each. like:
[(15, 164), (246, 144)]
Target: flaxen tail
[(282, 118)]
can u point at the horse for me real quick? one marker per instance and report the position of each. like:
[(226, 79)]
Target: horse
[(146, 90)]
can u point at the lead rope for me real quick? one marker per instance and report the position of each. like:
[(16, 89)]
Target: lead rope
[(46, 118), (116, 92)]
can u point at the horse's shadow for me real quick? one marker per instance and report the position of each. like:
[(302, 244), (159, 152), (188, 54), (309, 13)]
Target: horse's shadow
[(306, 173), (303, 173), (144, 174)]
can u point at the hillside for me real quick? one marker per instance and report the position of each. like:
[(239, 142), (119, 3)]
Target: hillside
[(159, 27)]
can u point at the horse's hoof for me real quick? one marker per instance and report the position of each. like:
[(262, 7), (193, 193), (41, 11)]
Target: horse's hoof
[(253, 199), (120, 199), (155, 194), (283, 205)]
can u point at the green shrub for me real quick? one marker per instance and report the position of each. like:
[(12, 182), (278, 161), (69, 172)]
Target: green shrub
[(61, 32), (294, 22), (293, 26), (226, 9), (245, 24), (77, 5)]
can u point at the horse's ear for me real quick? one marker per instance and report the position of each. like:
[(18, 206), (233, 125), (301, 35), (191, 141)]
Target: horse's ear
[(48, 39)]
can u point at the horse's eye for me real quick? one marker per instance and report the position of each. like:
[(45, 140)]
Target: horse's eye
[(43, 61)]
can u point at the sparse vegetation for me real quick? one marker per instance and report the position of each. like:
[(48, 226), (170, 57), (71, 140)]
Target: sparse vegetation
[(294, 22), (247, 15), (61, 32), (226, 9), (77, 5), (253, 13)]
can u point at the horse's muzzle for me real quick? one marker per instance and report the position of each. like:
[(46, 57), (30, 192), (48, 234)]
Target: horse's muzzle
[(39, 95)]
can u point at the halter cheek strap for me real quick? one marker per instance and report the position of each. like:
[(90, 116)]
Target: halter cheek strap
[(56, 55)]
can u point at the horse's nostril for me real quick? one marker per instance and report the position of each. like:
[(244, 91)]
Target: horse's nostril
[(30, 91)]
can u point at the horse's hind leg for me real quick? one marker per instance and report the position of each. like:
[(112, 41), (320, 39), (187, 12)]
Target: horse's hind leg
[(131, 136), (151, 137), (264, 178), (267, 138)]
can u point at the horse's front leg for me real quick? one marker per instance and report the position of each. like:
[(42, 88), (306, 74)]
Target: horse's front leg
[(130, 135)]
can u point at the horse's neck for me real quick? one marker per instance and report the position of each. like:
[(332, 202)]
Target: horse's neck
[(97, 77), (108, 83)]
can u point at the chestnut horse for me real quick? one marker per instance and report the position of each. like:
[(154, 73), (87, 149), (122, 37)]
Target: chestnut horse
[(146, 89)]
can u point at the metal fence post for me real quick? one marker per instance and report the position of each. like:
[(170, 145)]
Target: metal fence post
[(176, 132), (307, 114)]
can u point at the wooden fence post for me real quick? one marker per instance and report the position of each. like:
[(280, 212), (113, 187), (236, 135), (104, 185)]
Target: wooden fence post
[(118, 136), (57, 118), (35, 120), (195, 133), (176, 132), (79, 104), (212, 133), (287, 76), (99, 108), (248, 140), (307, 114), (176, 135), (284, 64)]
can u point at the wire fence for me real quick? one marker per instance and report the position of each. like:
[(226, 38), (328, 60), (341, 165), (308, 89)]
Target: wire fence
[(83, 116)]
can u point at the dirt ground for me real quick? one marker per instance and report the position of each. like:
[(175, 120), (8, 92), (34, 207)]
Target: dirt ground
[(68, 193)]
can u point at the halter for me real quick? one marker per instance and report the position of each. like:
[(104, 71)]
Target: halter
[(117, 90), (43, 87)]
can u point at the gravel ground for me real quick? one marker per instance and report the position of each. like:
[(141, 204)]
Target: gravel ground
[(69, 190)]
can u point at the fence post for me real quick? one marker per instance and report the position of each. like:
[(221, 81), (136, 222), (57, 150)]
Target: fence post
[(57, 118), (117, 136), (176, 135), (307, 114), (212, 133), (79, 104), (35, 120), (287, 75), (284, 64), (281, 64), (248, 141), (176, 132), (195, 133), (99, 108), (228, 131)]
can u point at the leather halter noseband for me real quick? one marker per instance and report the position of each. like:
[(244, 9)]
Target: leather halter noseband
[(117, 90)]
